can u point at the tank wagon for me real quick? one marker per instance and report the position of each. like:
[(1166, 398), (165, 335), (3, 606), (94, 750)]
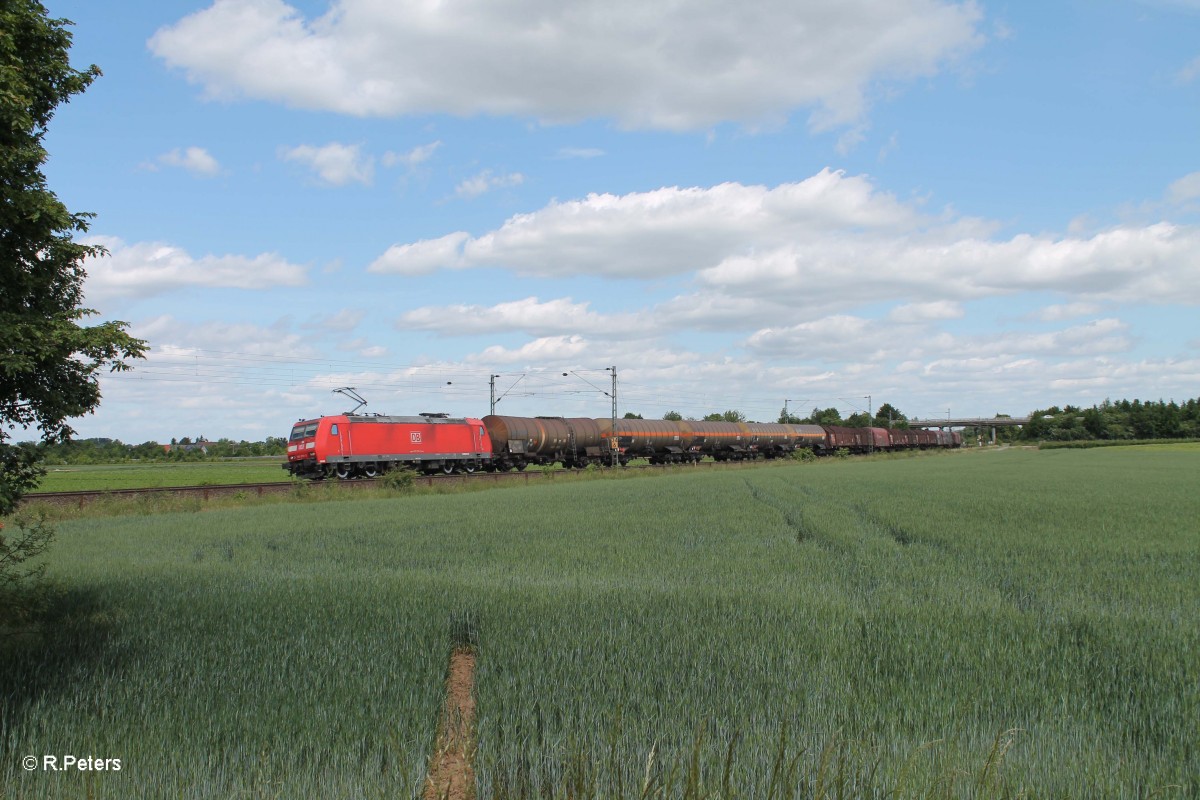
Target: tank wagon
[(350, 445)]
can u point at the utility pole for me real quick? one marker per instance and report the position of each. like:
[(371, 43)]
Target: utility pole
[(870, 422), (616, 440), (492, 384)]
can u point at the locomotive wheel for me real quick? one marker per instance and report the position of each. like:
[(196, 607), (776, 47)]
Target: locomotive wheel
[(343, 472), (448, 468), (371, 471), (468, 467)]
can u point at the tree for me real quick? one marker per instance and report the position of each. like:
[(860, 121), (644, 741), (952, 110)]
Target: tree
[(859, 419), (674, 416), (888, 416), (788, 418), (48, 360), (826, 416), (631, 415), (732, 415)]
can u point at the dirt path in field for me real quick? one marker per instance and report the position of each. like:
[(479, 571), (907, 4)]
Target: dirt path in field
[(450, 774)]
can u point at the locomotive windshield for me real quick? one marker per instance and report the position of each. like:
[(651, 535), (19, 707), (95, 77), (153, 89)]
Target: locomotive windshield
[(303, 431)]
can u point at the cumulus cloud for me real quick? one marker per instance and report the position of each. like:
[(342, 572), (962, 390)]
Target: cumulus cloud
[(926, 312), (414, 157), (1190, 71), (646, 65), (830, 239), (195, 160), (334, 164), (343, 321), (216, 346), (545, 349), (579, 152), (530, 315), (662, 232), (850, 338), (144, 269), (485, 181), (1185, 189), (1063, 311)]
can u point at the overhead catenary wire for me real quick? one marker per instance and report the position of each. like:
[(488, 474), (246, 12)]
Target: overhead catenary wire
[(455, 382)]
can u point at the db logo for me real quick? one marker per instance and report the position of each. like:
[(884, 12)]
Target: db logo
[(415, 436)]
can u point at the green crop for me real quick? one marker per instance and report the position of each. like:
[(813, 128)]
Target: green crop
[(995, 624)]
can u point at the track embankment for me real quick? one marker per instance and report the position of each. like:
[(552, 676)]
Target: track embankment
[(209, 492)]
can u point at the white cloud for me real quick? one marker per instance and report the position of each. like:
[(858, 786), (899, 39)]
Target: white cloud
[(547, 349), (195, 160), (335, 164), (485, 181), (1189, 72), (215, 345), (666, 231), (842, 338), (424, 257), (926, 312), (418, 155), (646, 65), (579, 152), (530, 316), (144, 269), (829, 240), (1065, 311), (1185, 189), (343, 321)]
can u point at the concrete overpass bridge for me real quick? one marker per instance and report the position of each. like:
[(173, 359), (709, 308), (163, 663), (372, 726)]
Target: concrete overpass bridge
[(980, 423), (969, 422)]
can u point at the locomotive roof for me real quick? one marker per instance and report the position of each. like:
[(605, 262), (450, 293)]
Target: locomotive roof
[(414, 420)]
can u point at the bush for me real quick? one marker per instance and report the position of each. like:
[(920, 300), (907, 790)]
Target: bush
[(401, 479)]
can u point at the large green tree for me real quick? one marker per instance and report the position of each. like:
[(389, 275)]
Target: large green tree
[(49, 359)]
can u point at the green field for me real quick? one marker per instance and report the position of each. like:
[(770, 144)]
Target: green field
[(161, 474), (965, 625)]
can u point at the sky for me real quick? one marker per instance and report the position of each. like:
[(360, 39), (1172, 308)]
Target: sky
[(962, 208)]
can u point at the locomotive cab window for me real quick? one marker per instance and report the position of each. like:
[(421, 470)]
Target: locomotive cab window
[(333, 429), (303, 431)]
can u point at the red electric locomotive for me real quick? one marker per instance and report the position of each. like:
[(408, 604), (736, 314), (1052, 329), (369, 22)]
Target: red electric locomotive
[(349, 445)]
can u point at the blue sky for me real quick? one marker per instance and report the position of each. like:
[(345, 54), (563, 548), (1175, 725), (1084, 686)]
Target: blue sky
[(982, 207)]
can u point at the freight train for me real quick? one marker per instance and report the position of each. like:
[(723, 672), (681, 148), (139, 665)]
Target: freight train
[(351, 445)]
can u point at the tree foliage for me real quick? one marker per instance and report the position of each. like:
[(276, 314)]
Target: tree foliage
[(48, 374), (887, 415), (825, 416), (731, 415), (1120, 420)]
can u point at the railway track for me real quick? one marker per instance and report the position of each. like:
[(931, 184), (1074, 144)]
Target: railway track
[(211, 491)]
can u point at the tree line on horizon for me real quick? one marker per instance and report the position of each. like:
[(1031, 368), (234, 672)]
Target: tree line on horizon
[(1108, 421)]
